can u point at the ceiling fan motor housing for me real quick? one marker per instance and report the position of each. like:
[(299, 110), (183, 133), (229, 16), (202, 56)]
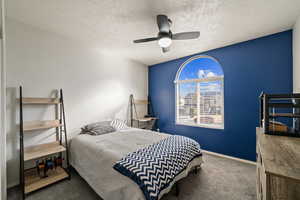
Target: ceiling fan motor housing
[(163, 34)]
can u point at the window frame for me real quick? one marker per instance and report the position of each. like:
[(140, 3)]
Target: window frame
[(207, 79)]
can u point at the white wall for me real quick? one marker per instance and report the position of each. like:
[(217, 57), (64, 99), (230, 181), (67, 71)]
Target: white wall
[(296, 56), (2, 125), (2, 160), (2, 131), (2, 128), (2, 106), (96, 86)]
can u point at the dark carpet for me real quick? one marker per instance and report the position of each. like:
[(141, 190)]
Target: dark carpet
[(219, 179)]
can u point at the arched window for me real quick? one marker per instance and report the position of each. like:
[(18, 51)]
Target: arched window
[(199, 93)]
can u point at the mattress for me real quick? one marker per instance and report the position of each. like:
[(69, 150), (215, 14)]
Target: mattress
[(94, 156)]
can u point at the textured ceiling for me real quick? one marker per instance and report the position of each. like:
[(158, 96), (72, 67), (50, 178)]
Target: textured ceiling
[(111, 25)]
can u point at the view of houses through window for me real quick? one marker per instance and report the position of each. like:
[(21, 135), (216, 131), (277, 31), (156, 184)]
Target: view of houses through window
[(200, 101)]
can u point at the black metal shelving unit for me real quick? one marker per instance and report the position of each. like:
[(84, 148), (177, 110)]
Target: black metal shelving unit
[(270, 102), (29, 179)]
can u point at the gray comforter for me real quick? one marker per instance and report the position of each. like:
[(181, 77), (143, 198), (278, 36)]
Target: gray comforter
[(94, 156)]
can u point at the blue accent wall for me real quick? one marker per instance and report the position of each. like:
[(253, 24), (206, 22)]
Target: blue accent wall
[(262, 64)]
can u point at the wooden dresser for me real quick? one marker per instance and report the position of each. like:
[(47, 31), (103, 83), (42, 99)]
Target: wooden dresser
[(278, 167)]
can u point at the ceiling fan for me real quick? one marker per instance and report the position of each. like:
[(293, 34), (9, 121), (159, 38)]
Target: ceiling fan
[(165, 35)]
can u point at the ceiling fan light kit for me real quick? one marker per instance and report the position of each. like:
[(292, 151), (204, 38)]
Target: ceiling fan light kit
[(165, 35), (165, 42)]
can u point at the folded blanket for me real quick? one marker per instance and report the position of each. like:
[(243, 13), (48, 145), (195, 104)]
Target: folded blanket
[(153, 168)]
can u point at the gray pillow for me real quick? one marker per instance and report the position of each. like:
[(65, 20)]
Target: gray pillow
[(98, 128), (94, 125)]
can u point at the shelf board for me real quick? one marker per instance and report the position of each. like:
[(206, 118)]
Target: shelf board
[(284, 105), (43, 101), (284, 133), (141, 102), (283, 96), (41, 150), (40, 125), (146, 119), (34, 182), (291, 115)]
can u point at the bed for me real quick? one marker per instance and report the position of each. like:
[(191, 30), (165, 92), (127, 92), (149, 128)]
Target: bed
[(93, 157)]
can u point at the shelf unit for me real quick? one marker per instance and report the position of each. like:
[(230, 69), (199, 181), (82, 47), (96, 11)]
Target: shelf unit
[(29, 179), (146, 122), (279, 101)]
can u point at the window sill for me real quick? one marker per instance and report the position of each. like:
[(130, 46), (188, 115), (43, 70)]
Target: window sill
[(201, 126)]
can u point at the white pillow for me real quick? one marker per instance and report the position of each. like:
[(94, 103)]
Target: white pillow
[(119, 124)]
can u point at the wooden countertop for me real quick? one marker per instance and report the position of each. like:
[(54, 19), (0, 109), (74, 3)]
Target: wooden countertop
[(280, 154)]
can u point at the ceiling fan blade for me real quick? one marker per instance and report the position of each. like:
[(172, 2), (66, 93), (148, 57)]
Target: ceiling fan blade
[(186, 35), (163, 23), (164, 50), (145, 40)]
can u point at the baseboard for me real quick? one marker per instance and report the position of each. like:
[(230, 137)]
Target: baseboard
[(229, 157)]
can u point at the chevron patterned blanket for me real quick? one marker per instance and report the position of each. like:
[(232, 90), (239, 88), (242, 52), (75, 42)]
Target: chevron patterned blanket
[(153, 168)]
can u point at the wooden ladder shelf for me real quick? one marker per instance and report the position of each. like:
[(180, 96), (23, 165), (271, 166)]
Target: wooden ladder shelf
[(29, 179), (146, 122)]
